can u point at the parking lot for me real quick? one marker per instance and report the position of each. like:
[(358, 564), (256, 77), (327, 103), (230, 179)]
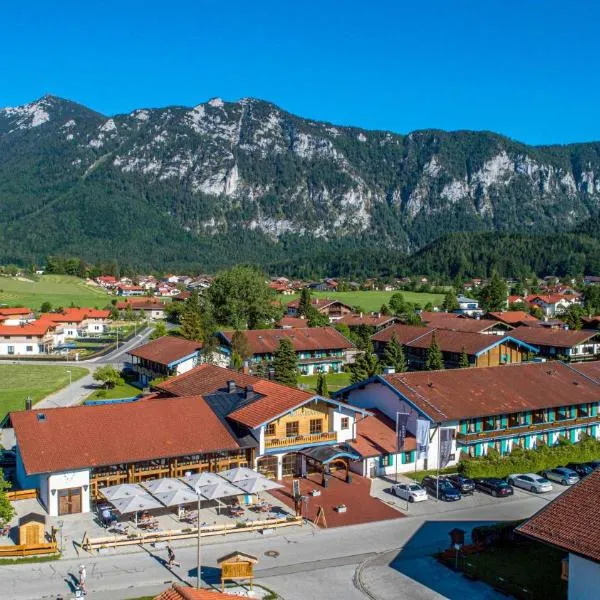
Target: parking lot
[(381, 488)]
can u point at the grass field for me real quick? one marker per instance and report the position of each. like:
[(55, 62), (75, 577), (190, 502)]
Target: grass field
[(59, 290), (119, 391), (335, 381), (19, 381), (371, 301)]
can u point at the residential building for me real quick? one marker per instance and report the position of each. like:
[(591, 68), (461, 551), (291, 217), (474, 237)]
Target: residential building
[(164, 357), (513, 318), (281, 287), (291, 323), (334, 309), (16, 316), (456, 322), (571, 522), (38, 337), (107, 281), (374, 321), (127, 290), (468, 306), (80, 322), (208, 419), (477, 409), (583, 344), (481, 350), (151, 308), (552, 304), (318, 349)]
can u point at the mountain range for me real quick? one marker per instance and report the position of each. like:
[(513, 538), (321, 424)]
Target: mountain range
[(226, 182)]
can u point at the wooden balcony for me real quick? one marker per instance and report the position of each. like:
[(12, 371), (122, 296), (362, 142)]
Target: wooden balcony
[(527, 429), (300, 440)]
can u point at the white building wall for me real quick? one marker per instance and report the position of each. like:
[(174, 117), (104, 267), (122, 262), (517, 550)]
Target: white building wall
[(186, 365), (343, 434), (584, 578), (28, 347), (62, 481)]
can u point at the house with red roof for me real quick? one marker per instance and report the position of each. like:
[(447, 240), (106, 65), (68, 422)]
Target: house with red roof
[(152, 309), (207, 419), (16, 316), (28, 339), (552, 304), (334, 309), (468, 411), (79, 322), (574, 345)]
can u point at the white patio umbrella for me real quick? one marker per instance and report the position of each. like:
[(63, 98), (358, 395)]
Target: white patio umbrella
[(258, 485), (200, 479), (222, 489), (161, 486), (135, 504), (176, 497), (121, 491), (239, 474)]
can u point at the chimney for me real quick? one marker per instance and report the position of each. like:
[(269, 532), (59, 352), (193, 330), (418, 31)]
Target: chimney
[(231, 387), (246, 367), (28, 403), (249, 392)]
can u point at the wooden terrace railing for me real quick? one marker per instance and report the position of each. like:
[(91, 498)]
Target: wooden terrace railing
[(329, 436)]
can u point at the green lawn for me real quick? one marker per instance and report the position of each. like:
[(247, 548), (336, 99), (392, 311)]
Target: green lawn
[(371, 301), (335, 381), (535, 567), (119, 391), (59, 290), (19, 381)]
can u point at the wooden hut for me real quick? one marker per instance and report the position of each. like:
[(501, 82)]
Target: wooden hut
[(32, 529), (237, 566)]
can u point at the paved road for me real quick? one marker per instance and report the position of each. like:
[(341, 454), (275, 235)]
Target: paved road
[(311, 563)]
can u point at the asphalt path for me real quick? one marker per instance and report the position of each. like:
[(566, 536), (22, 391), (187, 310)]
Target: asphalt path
[(305, 554)]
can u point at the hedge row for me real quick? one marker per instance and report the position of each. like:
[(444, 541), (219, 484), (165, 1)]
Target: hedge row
[(531, 461)]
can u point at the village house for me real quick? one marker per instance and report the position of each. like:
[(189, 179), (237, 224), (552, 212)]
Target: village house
[(281, 287), (318, 349), (513, 318), (468, 306), (455, 322), (555, 343), (291, 323), (481, 350), (80, 322), (472, 410), (334, 309), (552, 304), (374, 321), (16, 316), (571, 523), (164, 357), (107, 281), (151, 308), (126, 290), (208, 419), (37, 337)]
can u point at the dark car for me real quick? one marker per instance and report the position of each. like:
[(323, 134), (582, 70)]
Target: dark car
[(441, 489), (595, 464), (494, 486), (582, 469), (464, 484)]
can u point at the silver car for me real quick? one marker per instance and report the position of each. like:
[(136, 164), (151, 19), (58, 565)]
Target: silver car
[(562, 475), (531, 482), (409, 491)]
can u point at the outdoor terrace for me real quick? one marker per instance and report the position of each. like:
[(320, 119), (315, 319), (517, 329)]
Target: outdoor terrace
[(315, 438)]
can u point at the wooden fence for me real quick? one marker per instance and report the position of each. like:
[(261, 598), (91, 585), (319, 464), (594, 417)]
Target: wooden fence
[(21, 495), (116, 540), (28, 550)]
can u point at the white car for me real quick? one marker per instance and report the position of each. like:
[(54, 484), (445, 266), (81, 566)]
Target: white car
[(530, 482), (409, 491)]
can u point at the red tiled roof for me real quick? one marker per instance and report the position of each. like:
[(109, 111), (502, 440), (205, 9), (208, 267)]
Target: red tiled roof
[(111, 434), (166, 349), (590, 369), (353, 320), (75, 315), (429, 315), (277, 399), (319, 303), (457, 341), (570, 522), (141, 304), (515, 299), (558, 338), (204, 379), (266, 341), (179, 592), (10, 312), (376, 435), (36, 328), (484, 391), (550, 298), (402, 333), (445, 321), (292, 322), (512, 317)]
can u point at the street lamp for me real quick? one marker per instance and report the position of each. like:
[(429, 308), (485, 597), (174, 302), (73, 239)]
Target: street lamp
[(70, 382), (199, 574)]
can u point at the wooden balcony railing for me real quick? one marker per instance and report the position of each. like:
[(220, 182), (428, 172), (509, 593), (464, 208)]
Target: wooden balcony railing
[(525, 429), (299, 440)]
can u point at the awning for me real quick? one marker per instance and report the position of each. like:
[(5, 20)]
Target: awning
[(326, 454)]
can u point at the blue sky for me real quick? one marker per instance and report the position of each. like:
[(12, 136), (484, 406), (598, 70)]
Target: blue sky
[(527, 69)]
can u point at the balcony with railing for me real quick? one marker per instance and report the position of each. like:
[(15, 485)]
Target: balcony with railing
[(301, 440), (527, 429)]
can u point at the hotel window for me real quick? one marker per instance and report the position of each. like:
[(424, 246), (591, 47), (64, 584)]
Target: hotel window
[(316, 425), (270, 429), (291, 429), (28, 348), (345, 423), (408, 458), (387, 460)]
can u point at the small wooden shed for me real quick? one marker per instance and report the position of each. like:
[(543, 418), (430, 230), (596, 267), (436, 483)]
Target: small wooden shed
[(32, 529), (237, 566)]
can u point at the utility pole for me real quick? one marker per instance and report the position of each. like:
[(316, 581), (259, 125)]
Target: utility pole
[(70, 382), (199, 575)]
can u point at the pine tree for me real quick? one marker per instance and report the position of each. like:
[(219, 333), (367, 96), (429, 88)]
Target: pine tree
[(366, 365), (493, 296), (463, 361), (304, 304), (191, 319), (450, 302), (240, 345), (285, 363), (385, 310), (393, 356), (321, 388), (435, 359)]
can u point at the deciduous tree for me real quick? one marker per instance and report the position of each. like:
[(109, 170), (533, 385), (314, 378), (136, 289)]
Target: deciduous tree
[(108, 376)]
